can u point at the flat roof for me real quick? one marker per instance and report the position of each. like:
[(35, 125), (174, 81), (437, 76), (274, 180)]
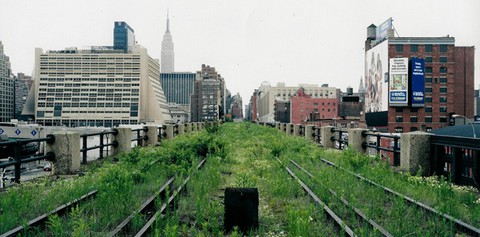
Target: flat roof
[(422, 40)]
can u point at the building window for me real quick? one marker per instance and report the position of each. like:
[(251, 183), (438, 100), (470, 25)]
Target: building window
[(413, 129), (443, 59), (399, 47), (414, 48), (428, 119), (399, 109), (428, 90), (428, 80), (399, 119), (414, 109), (443, 119), (398, 129), (443, 70), (413, 119), (428, 109), (443, 48), (443, 80), (428, 48), (443, 90), (428, 99), (443, 109), (428, 69), (428, 59), (443, 99)]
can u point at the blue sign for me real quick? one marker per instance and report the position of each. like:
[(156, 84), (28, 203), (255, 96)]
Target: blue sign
[(382, 30), (2, 131), (18, 131), (417, 81), (398, 96), (34, 132)]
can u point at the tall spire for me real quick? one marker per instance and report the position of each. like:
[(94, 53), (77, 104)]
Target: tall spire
[(167, 60), (168, 22)]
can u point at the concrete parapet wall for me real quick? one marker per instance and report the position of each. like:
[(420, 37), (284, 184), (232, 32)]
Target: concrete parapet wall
[(181, 129), (415, 152), (67, 152), (296, 130), (326, 135), (124, 139), (309, 132), (188, 127), (169, 131), (152, 135), (356, 139)]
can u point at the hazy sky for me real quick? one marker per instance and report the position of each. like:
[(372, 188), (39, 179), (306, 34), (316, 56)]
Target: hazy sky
[(248, 42)]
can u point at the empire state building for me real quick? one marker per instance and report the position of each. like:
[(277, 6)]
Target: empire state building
[(167, 51)]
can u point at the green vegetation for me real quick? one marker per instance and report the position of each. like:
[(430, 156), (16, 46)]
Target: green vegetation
[(239, 155)]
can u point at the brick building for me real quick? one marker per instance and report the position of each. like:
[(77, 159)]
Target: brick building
[(446, 84), (302, 106)]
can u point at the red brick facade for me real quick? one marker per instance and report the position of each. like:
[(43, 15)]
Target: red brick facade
[(449, 85), (302, 106)]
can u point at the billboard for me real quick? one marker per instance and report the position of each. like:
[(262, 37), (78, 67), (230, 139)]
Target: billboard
[(417, 82), (376, 78), (398, 94), (382, 30)]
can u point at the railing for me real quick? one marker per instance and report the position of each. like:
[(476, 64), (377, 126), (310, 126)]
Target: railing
[(456, 157), (18, 159), (100, 146), (317, 134), (162, 133), (139, 138), (378, 147), (340, 137)]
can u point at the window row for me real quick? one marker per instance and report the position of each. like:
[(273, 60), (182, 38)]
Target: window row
[(428, 48)]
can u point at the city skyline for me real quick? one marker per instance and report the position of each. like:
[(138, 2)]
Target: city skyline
[(248, 42)]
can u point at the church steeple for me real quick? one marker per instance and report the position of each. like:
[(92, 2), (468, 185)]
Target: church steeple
[(361, 88)]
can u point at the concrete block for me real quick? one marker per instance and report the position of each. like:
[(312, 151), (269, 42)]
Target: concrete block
[(124, 139), (356, 139), (152, 135), (181, 129), (67, 152), (169, 131), (188, 127), (326, 135), (415, 152), (296, 130), (309, 131)]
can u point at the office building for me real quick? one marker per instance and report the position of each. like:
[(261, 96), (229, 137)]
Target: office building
[(123, 36), (351, 104), (303, 107), (23, 83), (167, 57), (100, 86), (178, 86), (208, 98), (236, 108), (7, 85), (416, 83)]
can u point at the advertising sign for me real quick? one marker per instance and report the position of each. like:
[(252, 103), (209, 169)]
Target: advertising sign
[(398, 93), (376, 78), (417, 82), (382, 30)]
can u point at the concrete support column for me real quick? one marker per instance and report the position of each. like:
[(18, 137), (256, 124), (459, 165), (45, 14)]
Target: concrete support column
[(188, 127), (277, 126), (169, 131), (194, 126), (124, 139), (309, 133), (356, 139), (67, 152), (181, 129), (415, 152), (282, 127), (289, 129), (296, 130), (326, 135), (152, 135)]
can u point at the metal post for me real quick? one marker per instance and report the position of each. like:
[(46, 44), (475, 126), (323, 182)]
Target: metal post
[(84, 147), (396, 155), (378, 144), (101, 146), (18, 161)]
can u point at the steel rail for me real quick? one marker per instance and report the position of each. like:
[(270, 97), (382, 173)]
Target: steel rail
[(357, 211), (459, 224)]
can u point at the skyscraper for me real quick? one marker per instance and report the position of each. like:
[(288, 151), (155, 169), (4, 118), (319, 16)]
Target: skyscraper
[(167, 60), (123, 36), (6, 88)]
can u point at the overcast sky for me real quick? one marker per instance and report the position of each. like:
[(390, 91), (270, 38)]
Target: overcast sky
[(247, 41)]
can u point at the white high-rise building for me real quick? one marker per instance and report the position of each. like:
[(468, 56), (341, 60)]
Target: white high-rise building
[(100, 86), (167, 60)]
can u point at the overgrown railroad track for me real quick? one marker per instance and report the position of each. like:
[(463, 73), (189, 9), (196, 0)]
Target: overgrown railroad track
[(362, 207)]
